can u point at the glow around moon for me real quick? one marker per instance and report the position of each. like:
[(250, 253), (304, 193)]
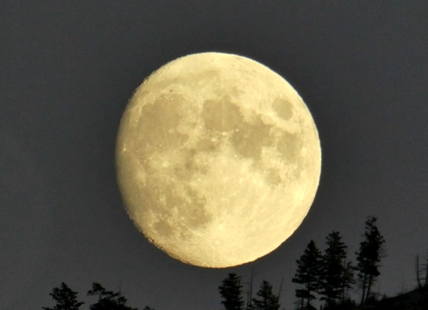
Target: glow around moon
[(218, 159)]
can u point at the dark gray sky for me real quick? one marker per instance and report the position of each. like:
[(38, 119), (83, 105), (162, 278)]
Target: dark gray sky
[(67, 70)]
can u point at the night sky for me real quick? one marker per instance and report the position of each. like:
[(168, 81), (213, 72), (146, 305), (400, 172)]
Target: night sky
[(68, 69)]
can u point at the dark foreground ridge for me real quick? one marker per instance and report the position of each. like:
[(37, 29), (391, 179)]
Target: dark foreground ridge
[(413, 300), (323, 281)]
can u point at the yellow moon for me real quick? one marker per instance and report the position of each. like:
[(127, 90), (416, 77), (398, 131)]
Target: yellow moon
[(218, 159)]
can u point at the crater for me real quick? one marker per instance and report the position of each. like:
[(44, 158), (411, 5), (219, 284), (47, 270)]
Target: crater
[(190, 165), (157, 125), (273, 177), (180, 207), (209, 143), (221, 115), (207, 76), (249, 138), (163, 228), (290, 146), (282, 108)]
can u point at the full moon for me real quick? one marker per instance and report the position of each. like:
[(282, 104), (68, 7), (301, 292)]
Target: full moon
[(218, 159)]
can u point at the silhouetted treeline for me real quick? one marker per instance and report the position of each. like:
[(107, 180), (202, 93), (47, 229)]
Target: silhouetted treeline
[(330, 275), (66, 299), (326, 276), (231, 293)]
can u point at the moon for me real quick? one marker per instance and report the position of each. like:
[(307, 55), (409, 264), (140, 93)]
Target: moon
[(218, 159)]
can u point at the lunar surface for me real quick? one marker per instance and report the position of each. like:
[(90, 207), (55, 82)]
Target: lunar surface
[(218, 159)]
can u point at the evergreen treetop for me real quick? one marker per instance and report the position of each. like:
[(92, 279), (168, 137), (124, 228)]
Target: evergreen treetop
[(65, 298), (231, 291)]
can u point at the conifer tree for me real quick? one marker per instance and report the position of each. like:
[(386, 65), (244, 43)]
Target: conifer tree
[(335, 274), (65, 298), (266, 299), (231, 291), (307, 274), (368, 257), (347, 281), (250, 304), (107, 300)]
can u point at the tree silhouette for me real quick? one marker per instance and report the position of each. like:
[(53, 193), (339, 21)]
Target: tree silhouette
[(307, 274), (347, 281), (107, 300), (250, 305), (65, 298), (335, 275), (369, 256), (231, 291), (265, 299), (422, 283)]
